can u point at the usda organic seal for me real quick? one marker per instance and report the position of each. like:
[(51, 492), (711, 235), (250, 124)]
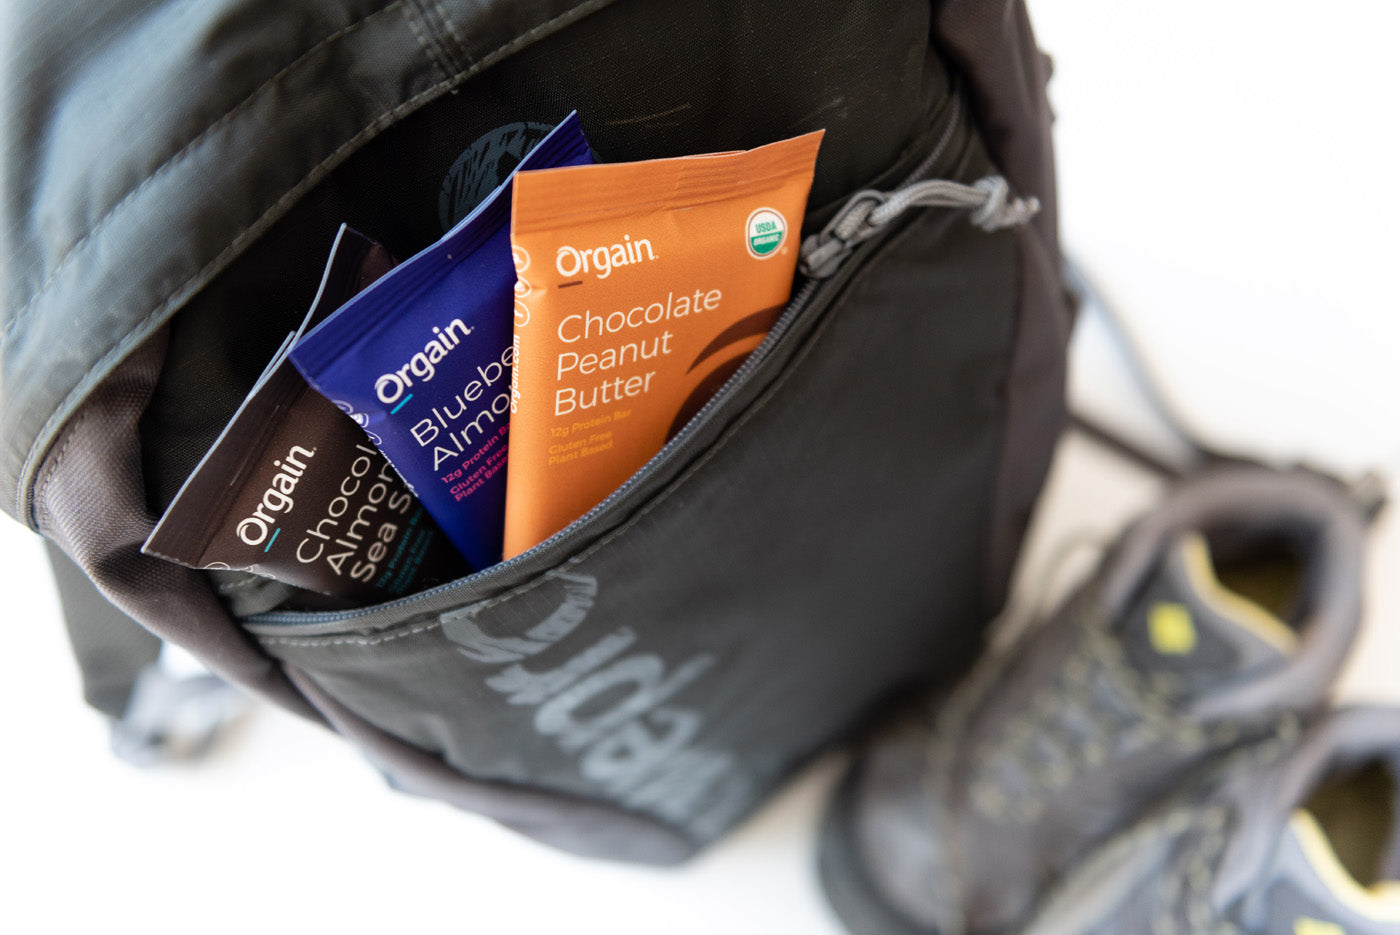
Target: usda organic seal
[(764, 233)]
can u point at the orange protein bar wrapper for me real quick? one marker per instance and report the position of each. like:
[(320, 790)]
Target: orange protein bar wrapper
[(641, 288)]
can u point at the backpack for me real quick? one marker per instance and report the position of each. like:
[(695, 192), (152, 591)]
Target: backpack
[(837, 525)]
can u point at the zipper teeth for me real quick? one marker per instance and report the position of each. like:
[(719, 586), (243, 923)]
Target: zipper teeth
[(796, 305), (950, 127)]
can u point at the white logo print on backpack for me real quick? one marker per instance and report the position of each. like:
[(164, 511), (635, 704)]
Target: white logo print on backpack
[(639, 749)]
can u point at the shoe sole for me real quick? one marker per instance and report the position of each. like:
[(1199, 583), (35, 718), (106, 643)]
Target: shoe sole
[(849, 890)]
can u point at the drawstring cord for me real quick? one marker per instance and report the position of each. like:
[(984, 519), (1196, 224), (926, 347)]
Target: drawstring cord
[(989, 201)]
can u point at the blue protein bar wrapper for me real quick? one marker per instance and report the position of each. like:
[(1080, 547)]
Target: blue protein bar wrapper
[(422, 361)]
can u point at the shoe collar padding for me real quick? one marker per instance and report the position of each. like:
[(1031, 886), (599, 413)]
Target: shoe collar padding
[(1284, 500)]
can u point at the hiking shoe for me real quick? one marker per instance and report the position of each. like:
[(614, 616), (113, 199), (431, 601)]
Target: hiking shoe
[(1220, 618), (1291, 836)]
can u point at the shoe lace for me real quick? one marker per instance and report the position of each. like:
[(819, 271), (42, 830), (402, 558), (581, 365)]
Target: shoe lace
[(1182, 903), (1097, 709), (1176, 894)]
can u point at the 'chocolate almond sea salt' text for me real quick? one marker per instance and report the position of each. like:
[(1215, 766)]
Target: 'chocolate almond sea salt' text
[(293, 489)]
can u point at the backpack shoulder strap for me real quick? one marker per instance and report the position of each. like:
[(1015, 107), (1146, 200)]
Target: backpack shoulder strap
[(155, 716)]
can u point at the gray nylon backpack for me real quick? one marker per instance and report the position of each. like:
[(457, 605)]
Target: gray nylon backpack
[(838, 524)]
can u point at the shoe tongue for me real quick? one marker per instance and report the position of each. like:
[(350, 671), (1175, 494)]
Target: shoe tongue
[(1183, 622)]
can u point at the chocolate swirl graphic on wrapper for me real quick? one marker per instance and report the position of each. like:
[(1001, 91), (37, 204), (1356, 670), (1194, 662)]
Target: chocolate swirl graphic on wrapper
[(756, 325)]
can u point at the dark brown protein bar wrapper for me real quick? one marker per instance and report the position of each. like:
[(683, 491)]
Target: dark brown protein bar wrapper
[(294, 490)]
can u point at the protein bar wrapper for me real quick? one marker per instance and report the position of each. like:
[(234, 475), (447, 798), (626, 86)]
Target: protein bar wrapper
[(641, 288), (293, 490), (423, 360)]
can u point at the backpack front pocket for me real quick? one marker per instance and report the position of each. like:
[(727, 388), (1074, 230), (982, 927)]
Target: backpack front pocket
[(809, 542)]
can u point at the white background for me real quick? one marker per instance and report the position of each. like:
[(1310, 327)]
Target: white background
[(1227, 172)]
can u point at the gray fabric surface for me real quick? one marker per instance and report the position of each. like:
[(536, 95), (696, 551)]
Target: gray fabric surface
[(844, 523)]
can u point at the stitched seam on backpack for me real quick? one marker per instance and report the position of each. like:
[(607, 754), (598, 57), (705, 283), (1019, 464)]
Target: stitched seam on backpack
[(451, 30), (46, 514), (442, 60), (179, 156), (136, 335), (438, 38), (661, 497), (349, 640)]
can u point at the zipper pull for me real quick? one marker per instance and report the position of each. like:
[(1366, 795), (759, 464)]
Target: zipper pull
[(989, 201)]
